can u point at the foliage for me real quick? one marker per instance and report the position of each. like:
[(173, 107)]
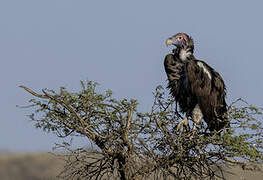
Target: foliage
[(136, 145)]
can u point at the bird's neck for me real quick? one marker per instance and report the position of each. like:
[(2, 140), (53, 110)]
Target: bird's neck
[(183, 54)]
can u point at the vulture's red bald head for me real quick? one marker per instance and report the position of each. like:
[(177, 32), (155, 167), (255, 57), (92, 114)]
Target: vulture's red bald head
[(180, 40)]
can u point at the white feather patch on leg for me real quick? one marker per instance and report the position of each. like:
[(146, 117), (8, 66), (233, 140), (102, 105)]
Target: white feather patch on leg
[(197, 114), (197, 117)]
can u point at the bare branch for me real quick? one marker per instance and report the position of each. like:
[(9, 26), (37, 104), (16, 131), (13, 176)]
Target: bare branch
[(33, 92)]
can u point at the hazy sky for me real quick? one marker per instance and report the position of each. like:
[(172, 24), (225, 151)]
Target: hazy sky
[(120, 44)]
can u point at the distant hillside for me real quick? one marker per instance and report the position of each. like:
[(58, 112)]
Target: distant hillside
[(45, 166), (35, 166)]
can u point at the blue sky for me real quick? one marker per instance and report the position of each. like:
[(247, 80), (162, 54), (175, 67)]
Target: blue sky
[(121, 45)]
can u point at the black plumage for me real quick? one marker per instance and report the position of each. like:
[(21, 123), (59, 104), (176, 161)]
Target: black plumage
[(198, 89)]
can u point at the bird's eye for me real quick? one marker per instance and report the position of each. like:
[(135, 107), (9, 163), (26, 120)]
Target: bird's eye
[(180, 37)]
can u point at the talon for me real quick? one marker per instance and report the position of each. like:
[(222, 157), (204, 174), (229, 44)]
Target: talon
[(184, 123), (192, 135)]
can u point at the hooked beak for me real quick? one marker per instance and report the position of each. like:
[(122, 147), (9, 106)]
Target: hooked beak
[(175, 42), (169, 42)]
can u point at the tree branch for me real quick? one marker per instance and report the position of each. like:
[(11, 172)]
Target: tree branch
[(127, 130), (95, 137)]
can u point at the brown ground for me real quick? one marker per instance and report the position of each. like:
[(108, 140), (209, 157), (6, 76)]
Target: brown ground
[(34, 166), (238, 173), (45, 166)]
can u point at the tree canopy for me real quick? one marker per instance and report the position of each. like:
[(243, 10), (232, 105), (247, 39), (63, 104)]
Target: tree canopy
[(138, 145)]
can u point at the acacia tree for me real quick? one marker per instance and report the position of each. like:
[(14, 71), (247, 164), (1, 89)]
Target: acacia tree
[(135, 145)]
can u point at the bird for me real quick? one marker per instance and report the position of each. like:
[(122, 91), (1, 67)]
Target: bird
[(198, 89)]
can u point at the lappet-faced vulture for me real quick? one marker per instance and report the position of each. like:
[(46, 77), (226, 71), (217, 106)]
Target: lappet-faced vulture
[(198, 89)]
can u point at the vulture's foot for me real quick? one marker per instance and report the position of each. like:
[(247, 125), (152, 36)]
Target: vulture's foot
[(193, 134), (194, 131), (183, 123)]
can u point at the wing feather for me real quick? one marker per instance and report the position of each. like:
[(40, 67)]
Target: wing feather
[(177, 83), (174, 69), (209, 88)]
